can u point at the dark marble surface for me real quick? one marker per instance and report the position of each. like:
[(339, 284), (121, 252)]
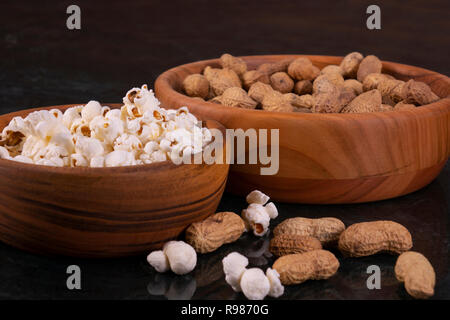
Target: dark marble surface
[(425, 213), (128, 44)]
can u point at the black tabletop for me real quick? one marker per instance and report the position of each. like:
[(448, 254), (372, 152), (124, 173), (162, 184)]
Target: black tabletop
[(121, 45)]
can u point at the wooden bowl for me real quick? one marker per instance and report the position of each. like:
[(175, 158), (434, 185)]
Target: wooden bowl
[(103, 212), (334, 158)]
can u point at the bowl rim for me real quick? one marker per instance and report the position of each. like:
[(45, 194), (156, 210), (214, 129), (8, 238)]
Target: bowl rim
[(167, 164), (162, 84)]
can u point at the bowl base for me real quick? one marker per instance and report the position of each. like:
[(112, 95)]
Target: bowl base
[(339, 191)]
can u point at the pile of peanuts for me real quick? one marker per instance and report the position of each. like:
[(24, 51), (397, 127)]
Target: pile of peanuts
[(357, 85)]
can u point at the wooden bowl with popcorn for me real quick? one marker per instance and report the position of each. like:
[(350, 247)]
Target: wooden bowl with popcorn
[(93, 205), (348, 131)]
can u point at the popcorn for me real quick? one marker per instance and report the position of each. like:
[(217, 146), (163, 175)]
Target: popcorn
[(158, 156), (4, 153), (91, 110), (89, 147), (77, 160), (119, 158), (97, 162), (23, 159), (128, 143), (141, 132), (70, 115)]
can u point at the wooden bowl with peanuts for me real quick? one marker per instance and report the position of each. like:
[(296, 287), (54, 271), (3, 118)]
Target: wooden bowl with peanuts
[(103, 212), (348, 155)]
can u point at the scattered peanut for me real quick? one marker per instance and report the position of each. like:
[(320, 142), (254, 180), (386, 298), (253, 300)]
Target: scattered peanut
[(311, 265), (367, 238), (216, 230), (326, 230), (285, 244), (417, 273)]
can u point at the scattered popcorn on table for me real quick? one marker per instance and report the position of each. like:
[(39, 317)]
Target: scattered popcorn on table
[(253, 283), (140, 132), (258, 214)]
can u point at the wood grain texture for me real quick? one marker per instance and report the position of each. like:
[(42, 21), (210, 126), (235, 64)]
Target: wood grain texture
[(103, 212), (334, 158)]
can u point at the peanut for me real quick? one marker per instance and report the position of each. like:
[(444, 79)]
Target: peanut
[(369, 101), (196, 85), (368, 65), (333, 101), (323, 85), (303, 87), (368, 238), (417, 273), (331, 69), (281, 82), (216, 230), (237, 97), (305, 101), (271, 68), (350, 64), (303, 69), (391, 91), (371, 81), (251, 77), (311, 265), (285, 244), (275, 101), (386, 108), (222, 79), (418, 93), (326, 230), (258, 90), (334, 78), (355, 85), (402, 105), (236, 64)]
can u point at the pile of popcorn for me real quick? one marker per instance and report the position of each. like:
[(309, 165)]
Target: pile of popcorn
[(140, 132)]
